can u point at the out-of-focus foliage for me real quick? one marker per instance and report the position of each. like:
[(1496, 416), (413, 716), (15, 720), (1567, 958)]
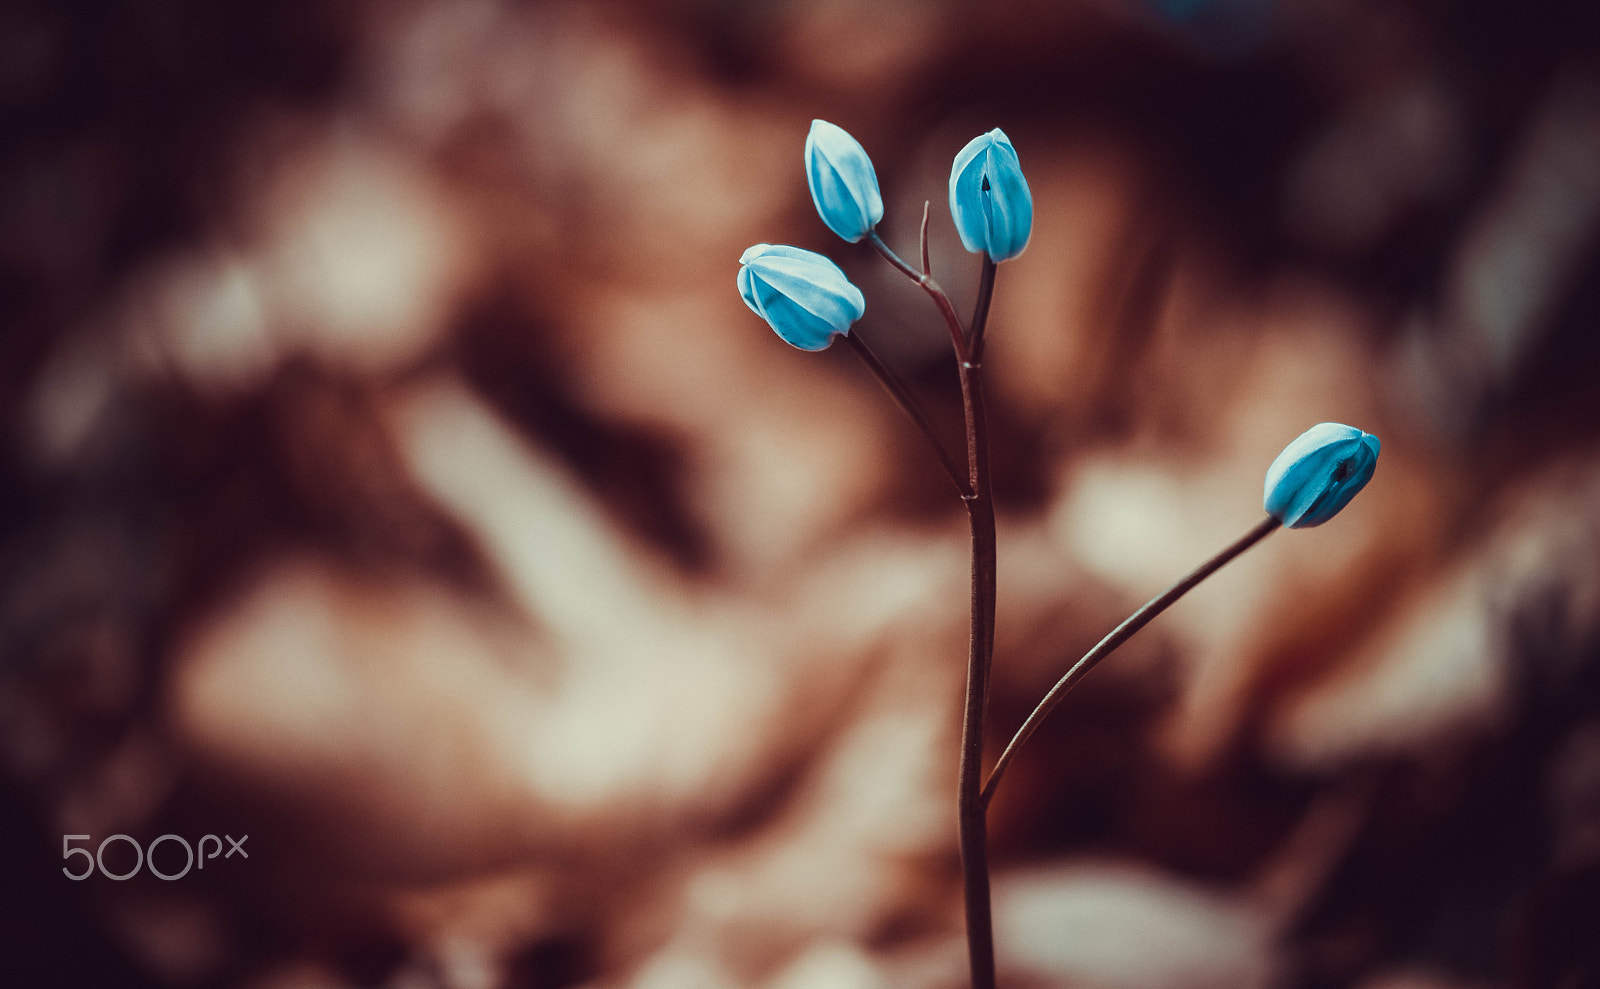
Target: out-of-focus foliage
[(390, 474)]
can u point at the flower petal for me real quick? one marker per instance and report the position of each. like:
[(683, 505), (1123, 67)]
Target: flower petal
[(1318, 473), (802, 295), (843, 183)]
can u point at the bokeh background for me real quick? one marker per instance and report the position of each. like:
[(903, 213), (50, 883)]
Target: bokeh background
[(392, 474)]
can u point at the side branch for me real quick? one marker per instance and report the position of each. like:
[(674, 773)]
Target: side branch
[(958, 336), (1122, 633), (902, 397)]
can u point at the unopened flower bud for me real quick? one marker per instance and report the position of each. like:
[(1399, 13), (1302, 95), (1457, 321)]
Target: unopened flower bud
[(802, 295), (989, 198), (843, 183), (1316, 475)]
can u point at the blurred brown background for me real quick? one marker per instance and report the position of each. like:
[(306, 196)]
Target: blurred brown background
[(392, 474)]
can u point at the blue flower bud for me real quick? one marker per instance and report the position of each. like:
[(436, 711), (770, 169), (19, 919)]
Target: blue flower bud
[(989, 198), (1317, 475), (803, 296), (843, 183)]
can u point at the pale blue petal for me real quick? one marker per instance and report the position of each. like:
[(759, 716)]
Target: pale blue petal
[(1319, 473), (802, 295), (989, 198), (843, 183), (793, 323), (821, 288), (747, 291), (966, 207), (1010, 202)]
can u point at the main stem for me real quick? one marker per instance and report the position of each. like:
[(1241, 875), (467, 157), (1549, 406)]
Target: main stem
[(971, 808), (972, 826), (972, 829)]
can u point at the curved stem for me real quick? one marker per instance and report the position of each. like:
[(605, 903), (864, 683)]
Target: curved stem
[(958, 336), (1122, 633), (902, 396), (894, 259)]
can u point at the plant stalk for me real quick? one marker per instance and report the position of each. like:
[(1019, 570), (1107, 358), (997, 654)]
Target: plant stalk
[(971, 822), (925, 280), (902, 397), (1122, 633), (980, 318)]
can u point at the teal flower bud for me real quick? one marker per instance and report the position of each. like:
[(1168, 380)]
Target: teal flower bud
[(1317, 475), (843, 183), (989, 198), (803, 296)]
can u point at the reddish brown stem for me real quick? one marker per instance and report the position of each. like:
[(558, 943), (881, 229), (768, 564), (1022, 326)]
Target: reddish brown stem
[(958, 337), (927, 269), (908, 404), (1122, 633), (972, 826)]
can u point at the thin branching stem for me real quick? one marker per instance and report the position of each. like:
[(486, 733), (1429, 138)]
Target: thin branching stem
[(902, 397), (958, 337), (927, 269), (980, 315), (1122, 633)]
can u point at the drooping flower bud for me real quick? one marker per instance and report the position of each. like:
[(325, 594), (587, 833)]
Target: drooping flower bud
[(802, 295), (843, 183), (989, 198), (1316, 475)]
